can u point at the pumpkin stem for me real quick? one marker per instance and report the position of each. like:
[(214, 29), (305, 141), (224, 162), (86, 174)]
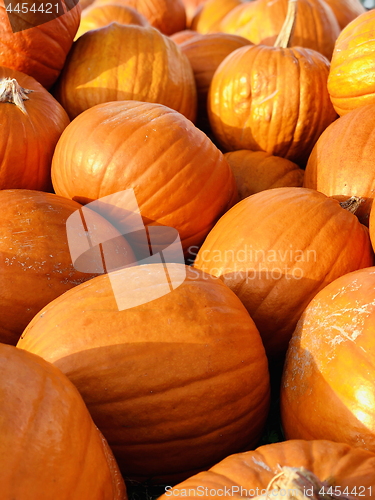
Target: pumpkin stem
[(11, 91), (286, 33), (352, 204), (299, 483)]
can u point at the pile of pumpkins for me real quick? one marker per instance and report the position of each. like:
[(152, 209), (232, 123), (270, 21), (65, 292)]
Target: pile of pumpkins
[(248, 128)]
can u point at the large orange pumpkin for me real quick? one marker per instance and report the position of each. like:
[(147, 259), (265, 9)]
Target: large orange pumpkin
[(118, 63), (277, 249), (351, 82), (346, 10), (32, 122), (208, 18), (35, 262), (182, 36), (342, 162), (39, 50), (98, 16), (257, 171), (168, 16), (180, 179), (328, 382), (175, 383), (49, 447), (271, 99), (261, 21), (348, 471)]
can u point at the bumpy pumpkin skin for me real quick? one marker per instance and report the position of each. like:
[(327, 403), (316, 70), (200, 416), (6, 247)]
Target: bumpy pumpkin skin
[(351, 83), (144, 66), (39, 51), (372, 227), (208, 18), (98, 16), (67, 457), (209, 397), (28, 140), (348, 466), (346, 10), (35, 262), (271, 99), (341, 164), (257, 171), (261, 21), (188, 185), (277, 249), (330, 359)]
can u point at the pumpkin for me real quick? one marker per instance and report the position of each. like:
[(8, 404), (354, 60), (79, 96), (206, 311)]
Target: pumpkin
[(346, 10), (341, 164), (42, 412), (35, 262), (298, 466), (205, 53), (208, 18), (257, 171), (271, 99), (331, 359), (180, 179), (191, 8), (32, 122), (277, 249), (35, 47), (175, 383), (118, 63), (351, 79), (261, 21), (372, 227), (168, 16), (98, 16), (182, 36)]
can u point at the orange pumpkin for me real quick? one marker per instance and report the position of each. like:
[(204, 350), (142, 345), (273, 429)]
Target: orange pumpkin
[(351, 82), (346, 10), (208, 18), (341, 164), (372, 226), (42, 412), (180, 179), (261, 21), (39, 50), (277, 249), (174, 384), (168, 16), (35, 263), (330, 359), (257, 171), (182, 36), (118, 63), (271, 99), (32, 122), (98, 16), (191, 8), (347, 470)]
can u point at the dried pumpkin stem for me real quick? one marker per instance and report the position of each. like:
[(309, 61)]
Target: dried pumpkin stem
[(11, 91), (299, 483), (286, 33), (352, 204)]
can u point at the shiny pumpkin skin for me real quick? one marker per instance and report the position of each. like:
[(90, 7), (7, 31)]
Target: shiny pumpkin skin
[(163, 420), (341, 164), (21, 51), (346, 10), (257, 171), (349, 467), (67, 458), (35, 262), (118, 63), (28, 140), (208, 17), (271, 99), (351, 79), (97, 16), (277, 249), (330, 359), (261, 21), (188, 185), (168, 16)]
